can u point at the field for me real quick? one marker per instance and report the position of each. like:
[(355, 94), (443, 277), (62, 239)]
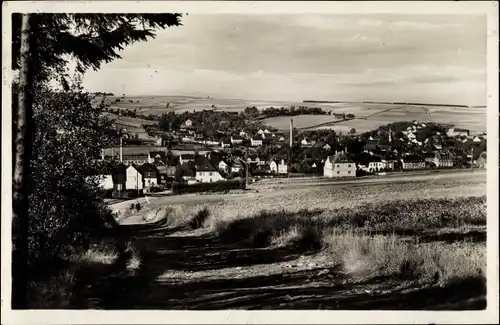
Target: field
[(410, 242), (133, 125), (471, 118)]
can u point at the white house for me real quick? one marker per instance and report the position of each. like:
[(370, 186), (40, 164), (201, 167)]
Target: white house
[(105, 182), (188, 123), (304, 142), (452, 132), (255, 142), (281, 138), (243, 134), (236, 166), (225, 144), (282, 167), (206, 172), (133, 179), (273, 166), (339, 165), (223, 166), (260, 132), (236, 139), (266, 131)]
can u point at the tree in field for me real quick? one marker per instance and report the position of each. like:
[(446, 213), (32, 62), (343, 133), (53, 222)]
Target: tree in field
[(42, 45), (352, 131)]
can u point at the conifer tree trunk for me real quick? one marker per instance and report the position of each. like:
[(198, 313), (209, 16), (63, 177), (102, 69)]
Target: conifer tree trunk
[(23, 152)]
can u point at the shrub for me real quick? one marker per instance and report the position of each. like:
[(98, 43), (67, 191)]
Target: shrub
[(200, 218), (181, 188)]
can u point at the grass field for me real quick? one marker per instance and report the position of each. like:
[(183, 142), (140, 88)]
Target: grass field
[(326, 247), (472, 118), (403, 244)]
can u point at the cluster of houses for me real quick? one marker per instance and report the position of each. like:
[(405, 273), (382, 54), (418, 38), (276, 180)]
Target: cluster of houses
[(143, 172)]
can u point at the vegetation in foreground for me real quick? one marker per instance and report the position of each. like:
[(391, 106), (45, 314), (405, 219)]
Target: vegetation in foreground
[(439, 239)]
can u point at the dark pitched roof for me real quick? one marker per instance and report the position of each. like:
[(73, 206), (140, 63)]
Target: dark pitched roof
[(412, 158), (203, 164), (320, 144), (187, 156), (147, 167), (339, 158), (120, 168)]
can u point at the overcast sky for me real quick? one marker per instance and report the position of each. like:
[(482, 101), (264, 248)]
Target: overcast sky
[(425, 58)]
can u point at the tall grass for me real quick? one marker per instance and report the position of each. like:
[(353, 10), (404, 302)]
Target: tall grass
[(362, 254), (365, 241)]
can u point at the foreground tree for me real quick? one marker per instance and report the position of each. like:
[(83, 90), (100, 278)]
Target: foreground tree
[(42, 46)]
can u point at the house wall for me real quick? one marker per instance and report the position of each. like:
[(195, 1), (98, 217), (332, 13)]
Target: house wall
[(106, 182), (150, 181), (273, 167), (413, 165), (208, 177), (133, 179), (339, 169), (282, 169)]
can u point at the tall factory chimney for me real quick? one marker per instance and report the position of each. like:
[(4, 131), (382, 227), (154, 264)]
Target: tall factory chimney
[(291, 132)]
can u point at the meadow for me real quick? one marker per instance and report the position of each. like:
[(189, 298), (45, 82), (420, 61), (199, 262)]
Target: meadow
[(417, 243), (471, 118)]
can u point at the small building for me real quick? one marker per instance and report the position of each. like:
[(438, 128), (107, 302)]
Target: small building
[(411, 162), (135, 159), (255, 142), (119, 177), (453, 132), (273, 166), (371, 164), (225, 143), (282, 167), (223, 166), (236, 166), (150, 175), (322, 145), (236, 139), (186, 157), (134, 178), (439, 159), (339, 165), (205, 171)]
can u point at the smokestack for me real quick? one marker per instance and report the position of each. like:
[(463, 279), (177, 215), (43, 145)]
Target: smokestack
[(121, 149), (291, 132)]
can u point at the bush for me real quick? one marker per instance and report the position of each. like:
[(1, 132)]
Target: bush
[(181, 188), (200, 218), (155, 189)]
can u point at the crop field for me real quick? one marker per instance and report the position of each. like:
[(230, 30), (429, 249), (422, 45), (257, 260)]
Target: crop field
[(412, 244), (133, 125), (471, 118)]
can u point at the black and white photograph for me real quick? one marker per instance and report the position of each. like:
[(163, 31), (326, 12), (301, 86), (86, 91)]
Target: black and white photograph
[(241, 156)]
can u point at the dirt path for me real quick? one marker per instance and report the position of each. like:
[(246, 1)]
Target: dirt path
[(194, 270)]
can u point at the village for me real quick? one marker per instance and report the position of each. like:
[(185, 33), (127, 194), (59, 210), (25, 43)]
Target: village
[(189, 154)]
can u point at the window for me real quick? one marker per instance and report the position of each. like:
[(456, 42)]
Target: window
[(210, 174), (349, 171), (338, 166), (349, 166), (338, 172), (210, 180)]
